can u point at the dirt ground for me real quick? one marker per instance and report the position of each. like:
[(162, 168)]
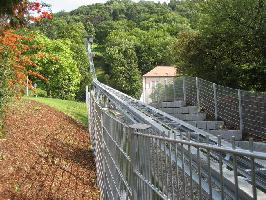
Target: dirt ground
[(45, 155)]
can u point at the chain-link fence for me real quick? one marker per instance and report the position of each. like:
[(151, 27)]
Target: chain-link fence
[(240, 110), (148, 164)]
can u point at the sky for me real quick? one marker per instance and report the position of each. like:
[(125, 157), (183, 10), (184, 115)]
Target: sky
[(68, 5)]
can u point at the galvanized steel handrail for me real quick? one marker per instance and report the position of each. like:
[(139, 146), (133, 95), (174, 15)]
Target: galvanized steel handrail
[(240, 110), (150, 186), (119, 182)]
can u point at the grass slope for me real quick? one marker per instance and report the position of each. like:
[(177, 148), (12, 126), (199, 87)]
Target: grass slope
[(76, 110)]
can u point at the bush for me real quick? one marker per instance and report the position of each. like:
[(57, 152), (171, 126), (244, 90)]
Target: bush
[(61, 70)]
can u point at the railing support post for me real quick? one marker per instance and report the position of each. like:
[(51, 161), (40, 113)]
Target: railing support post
[(165, 95), (215, 100), (27, 86), (184, 89), (174, 90), (198, 92), (240, 112)]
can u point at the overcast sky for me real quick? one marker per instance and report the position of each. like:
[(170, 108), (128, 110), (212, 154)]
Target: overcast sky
[(68, 5)]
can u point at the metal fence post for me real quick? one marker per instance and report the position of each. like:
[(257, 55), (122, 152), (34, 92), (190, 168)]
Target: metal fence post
[(240, 111), (198, 92), (165, 94), (27, 86), (184, 89), (215, 100), (87, 90), (174, 90), (88, 105)]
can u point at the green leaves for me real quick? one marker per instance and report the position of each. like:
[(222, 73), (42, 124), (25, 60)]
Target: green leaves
[(62, 70), (122, 61), (228, 49)]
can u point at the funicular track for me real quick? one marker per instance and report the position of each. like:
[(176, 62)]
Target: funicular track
[(211, 164)]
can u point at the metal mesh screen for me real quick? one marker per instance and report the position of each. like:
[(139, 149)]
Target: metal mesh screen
[(206, 97), (219, 102), (254, 113), (228, 106), (147, 164), (178, 88), (191, 90)]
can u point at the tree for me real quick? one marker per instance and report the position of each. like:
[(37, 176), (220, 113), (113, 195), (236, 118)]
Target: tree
[(229, 47), (15, 52), (55, 60), (122, 61), (74, 32), (154, 48), (18, 13)]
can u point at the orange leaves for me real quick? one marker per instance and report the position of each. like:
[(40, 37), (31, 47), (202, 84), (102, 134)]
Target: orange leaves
[(37, 12), (20, 75), (34, 6), (22, 13), (18, 50), (38, 75)]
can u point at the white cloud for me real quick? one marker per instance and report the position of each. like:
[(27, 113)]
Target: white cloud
[(68, 5)]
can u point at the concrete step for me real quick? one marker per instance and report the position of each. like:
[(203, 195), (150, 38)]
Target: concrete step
[(181, 110), (173, 104), (227, 134), (191, 117), (207, 125)]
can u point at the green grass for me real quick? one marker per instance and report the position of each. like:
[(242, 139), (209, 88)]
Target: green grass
[(2, 134), (76, 110), (100, 74)]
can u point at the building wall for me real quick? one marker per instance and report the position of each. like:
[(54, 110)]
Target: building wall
[(149, 84)]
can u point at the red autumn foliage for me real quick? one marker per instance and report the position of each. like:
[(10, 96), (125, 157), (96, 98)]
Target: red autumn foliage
[(16, 47), (24, 12), (20, 57)]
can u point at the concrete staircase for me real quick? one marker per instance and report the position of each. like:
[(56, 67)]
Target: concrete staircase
[(194, 116)]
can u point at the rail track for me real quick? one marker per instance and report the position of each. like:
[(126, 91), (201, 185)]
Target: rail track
[(167, 126)]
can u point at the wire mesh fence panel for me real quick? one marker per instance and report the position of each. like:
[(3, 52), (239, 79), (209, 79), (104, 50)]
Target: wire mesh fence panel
[(178, 88), (206, 98), (228, 107), (190, 90), (148, 164), (254, 114), (154, 164), (240, 110)]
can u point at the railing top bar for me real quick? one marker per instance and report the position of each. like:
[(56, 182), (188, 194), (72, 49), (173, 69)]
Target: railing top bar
[(227, 149), (226, 87), (254, 154), (182, 123)]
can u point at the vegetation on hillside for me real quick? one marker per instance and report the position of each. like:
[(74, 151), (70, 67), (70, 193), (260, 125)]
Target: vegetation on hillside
[(221, 41), (18, 53)]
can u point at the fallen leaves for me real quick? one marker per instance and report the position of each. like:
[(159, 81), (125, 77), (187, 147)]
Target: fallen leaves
[(45, 156)]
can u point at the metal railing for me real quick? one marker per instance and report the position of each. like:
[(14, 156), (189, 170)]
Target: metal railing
[(169, 160), (149, 164), (240, 110)]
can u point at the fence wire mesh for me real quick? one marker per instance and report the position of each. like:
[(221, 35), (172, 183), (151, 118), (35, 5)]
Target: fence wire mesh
[(240, 110), (147, 164), (190, 90), (228, 107), (206, 98), (254, 112)]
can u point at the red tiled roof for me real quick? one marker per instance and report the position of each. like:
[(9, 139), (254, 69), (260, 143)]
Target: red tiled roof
[(161, 71)]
